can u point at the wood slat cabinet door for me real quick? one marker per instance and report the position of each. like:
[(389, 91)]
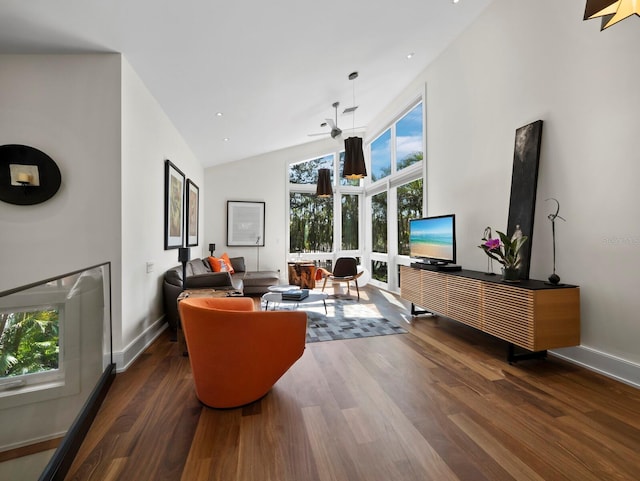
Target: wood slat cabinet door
[(426, 289), (464, 301), (434, 292), (411, 285), (509, 314)]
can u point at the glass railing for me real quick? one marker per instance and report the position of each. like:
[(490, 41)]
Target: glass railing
[(55, 345)]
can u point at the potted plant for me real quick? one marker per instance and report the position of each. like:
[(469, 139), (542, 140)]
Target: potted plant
[(505, 250)]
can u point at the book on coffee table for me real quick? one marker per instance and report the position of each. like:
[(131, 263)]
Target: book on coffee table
[(295, 294)]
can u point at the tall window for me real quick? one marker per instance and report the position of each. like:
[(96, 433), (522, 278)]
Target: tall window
[(396, 157), (350, 221), (323, 225), (306, 172), (379, 235), (379, 222), (409, 138), (311, 217), (409, 207), (381, 156), (321, 228), (311, 223)]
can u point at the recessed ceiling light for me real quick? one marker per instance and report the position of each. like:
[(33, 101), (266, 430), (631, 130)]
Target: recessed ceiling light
[(456, 1), (219, 114), (410, 55), (226, 139)]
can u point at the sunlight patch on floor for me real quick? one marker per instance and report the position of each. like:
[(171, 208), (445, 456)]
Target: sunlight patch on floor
[(392, 298)]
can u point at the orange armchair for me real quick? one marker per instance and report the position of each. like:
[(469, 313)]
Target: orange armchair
[(237, 353)]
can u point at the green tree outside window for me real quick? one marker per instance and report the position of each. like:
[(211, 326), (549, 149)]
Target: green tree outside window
[(409, 207), (379, 222), (350, 222), (29, 342), (311, 223)]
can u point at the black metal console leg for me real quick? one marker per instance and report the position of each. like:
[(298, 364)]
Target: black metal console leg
[(416, 312), (513, 356)]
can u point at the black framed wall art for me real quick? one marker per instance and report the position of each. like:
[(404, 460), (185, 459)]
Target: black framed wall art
[(173, 206), (193, 213), (245, 223)]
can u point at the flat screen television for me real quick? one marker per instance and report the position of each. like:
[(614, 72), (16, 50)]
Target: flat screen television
[(433, 239)]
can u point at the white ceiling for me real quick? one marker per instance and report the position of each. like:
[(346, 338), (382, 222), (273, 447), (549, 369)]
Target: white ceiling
[(272, 67)]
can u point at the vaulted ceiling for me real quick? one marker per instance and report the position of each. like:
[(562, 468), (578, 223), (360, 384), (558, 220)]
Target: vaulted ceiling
[(273, 69)]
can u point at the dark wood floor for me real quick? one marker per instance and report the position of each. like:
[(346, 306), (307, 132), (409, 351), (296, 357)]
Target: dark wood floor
[(439, 403)]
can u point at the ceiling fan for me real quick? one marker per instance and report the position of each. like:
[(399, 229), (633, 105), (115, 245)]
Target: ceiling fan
[(335, 130)]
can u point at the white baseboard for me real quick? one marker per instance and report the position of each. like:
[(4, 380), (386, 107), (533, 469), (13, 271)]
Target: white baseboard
[(123, 359), (605, 364)]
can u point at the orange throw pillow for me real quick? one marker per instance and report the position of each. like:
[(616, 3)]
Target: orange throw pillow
[(216, 264), (226, 260)]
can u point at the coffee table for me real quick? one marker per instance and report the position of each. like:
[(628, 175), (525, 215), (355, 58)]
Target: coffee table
[(282, 287), (276, 298)]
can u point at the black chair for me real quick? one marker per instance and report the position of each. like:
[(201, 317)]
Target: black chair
[(345, 270)]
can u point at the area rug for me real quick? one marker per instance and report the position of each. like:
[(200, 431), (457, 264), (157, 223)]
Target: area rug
[(345, 319)]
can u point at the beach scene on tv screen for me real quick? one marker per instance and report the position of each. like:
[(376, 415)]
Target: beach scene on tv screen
[(432, 239)]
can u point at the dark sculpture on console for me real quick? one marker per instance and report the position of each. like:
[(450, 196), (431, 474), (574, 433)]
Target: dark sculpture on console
[(554, 278)]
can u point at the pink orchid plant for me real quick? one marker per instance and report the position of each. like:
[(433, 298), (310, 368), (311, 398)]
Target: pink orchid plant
[(503, 249)]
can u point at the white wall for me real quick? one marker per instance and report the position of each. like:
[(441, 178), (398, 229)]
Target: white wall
[(95, 118), (257, 179), (519, 62), (68, 106), (504, 72), (148, 138)]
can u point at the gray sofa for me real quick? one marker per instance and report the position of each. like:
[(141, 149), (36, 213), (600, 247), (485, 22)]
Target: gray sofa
[(200, 275)]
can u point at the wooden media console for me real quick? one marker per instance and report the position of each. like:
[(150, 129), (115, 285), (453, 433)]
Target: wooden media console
[(530, 314)]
